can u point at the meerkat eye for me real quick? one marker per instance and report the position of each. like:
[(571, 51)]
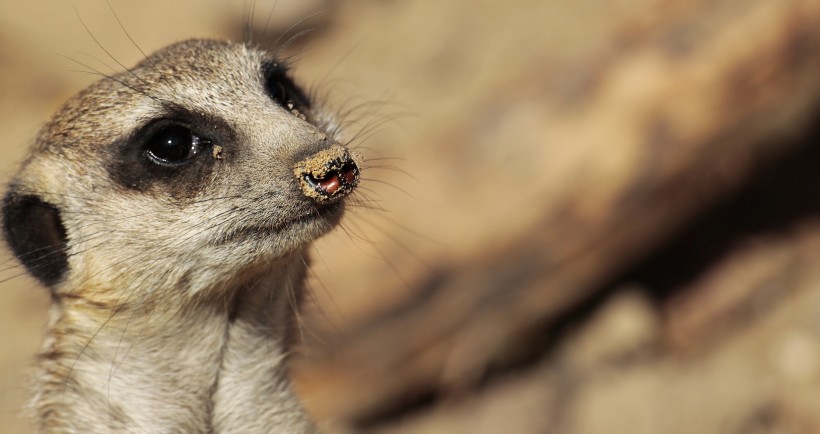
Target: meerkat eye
[(172, 144), (283, 90)]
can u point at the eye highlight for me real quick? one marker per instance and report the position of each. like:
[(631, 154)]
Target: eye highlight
[(172, 145), (283, 91)]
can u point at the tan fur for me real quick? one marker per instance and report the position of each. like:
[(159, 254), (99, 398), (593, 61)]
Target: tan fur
[(174, 313)]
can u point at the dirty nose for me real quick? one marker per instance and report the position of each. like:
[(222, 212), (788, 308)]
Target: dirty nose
[(328, 174)]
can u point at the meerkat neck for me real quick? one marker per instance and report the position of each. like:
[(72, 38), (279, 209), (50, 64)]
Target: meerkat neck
[(253, 392), (208, 367)]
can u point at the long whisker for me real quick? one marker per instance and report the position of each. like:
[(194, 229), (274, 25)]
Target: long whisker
[(102, 47), (267, 21), (128, 35)]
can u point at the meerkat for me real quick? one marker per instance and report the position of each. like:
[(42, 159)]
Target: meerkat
[(169, 209)]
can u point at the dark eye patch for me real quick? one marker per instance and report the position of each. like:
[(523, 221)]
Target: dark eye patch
[(283, 91), (172, 153)]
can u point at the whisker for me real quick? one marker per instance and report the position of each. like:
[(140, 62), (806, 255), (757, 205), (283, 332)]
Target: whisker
[(282, 46), (122, 82), (128, 35), (102, 47), (267, 21)]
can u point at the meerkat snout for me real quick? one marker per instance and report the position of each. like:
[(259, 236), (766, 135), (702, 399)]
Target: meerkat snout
[(328, 175)]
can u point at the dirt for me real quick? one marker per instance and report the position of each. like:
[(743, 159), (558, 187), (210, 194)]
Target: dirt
[(319, 165)]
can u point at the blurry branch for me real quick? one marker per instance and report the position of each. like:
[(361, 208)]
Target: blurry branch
[(698, 101)]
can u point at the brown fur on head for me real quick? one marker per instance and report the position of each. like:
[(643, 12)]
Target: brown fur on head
[(178, 192)]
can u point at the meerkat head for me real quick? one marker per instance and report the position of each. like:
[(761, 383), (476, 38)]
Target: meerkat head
[(196, 166)]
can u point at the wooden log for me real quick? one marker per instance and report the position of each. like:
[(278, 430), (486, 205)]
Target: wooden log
[(686, 107)]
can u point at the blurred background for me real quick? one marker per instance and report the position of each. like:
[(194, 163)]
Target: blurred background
[(579, 217)]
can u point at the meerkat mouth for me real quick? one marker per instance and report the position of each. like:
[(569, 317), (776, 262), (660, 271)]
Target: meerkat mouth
[(309, 226)]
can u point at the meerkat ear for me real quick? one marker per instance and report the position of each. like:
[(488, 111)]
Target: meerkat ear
[(34, 230)]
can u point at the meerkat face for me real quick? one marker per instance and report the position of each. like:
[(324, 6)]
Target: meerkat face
[(202, 162)]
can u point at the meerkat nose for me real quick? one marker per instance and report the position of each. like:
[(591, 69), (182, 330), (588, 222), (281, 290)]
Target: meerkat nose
[(328, 174)]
